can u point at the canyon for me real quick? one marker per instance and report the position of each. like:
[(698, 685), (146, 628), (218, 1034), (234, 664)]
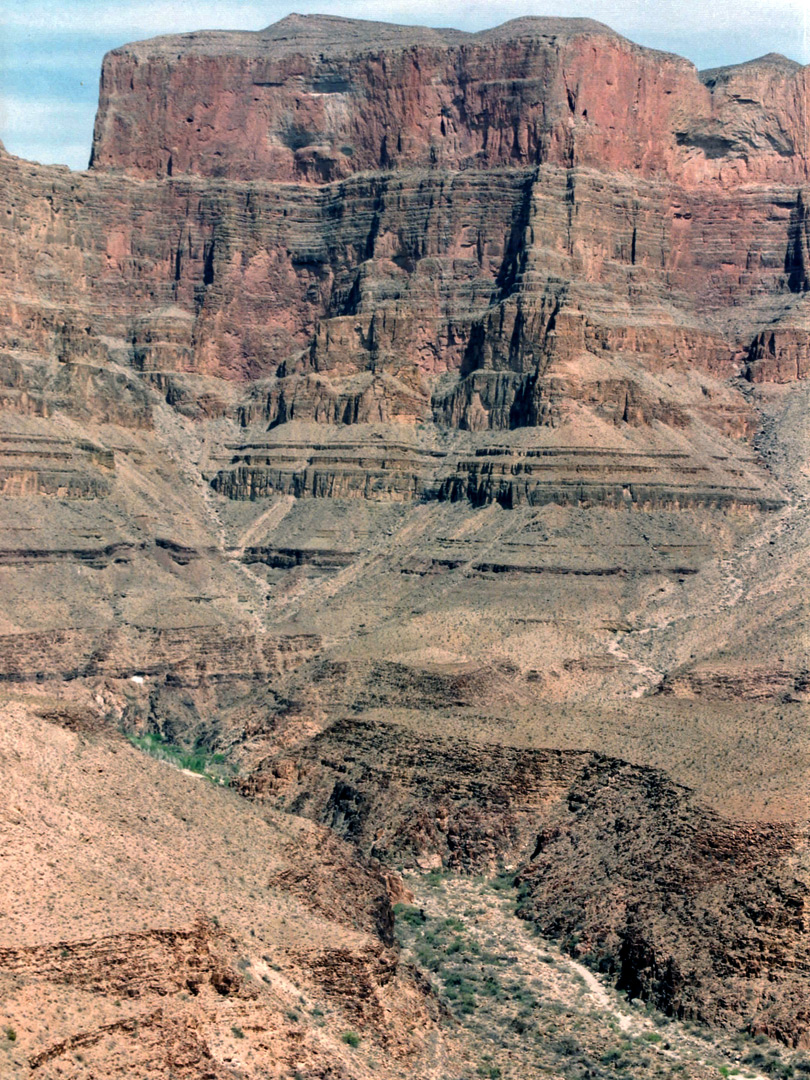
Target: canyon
[(416, 422)]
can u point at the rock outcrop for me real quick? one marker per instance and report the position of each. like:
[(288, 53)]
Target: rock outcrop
[(318, 98), (623, 865)]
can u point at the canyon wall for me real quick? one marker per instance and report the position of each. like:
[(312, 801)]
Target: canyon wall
[(315, 99), (587, 196), (377, 383)]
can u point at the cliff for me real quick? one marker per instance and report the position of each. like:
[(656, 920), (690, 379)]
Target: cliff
[(318, 98), (420, 225)]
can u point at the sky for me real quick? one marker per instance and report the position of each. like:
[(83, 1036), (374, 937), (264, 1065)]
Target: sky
[(51, 50)]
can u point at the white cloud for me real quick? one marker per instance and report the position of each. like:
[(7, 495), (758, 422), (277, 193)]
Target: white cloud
[(19, 114)]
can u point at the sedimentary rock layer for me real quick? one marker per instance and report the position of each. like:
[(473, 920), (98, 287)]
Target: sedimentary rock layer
[(624, 865), (317, 98)]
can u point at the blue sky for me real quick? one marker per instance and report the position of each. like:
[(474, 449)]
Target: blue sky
[(51, 50)]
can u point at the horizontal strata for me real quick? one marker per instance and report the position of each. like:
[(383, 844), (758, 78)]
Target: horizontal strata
[(353, 301), (535, 477), (119, 553), (315, 98), (182, 656), (751, 682), (43, 465)]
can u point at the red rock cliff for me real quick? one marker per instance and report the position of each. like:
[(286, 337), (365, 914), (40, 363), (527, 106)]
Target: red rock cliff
[(400, 223), (317, 98)]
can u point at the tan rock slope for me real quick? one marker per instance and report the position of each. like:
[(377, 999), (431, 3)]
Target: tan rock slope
[(380, 392), (156, 925)]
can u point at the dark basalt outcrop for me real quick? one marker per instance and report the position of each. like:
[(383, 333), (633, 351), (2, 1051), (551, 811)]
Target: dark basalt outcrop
[(704, 918)]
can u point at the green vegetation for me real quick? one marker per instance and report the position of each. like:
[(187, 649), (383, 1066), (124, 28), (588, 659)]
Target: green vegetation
[(410, 915), (527, 1011), (351, 1038), (770, 1063), (470, 977), (10, 1034), (435, 877), (237, 1032), (214, 767)]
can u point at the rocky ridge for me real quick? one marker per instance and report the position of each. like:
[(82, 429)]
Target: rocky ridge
[(622, 865), (175, 930)]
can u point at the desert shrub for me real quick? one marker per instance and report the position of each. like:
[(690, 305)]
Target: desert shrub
[(521, 994), (351, 1038), (779, 1069), (565, 1046), (467, 1002), (411, 916), (434, 878), (453, 924), (428, 958)]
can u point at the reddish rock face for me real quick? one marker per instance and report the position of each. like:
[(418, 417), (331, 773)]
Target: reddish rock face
[(395, 224), (314, 99)]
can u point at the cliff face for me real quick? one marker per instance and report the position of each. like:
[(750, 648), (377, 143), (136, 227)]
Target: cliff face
[(452, 379), (354, 213), (315, 99)]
